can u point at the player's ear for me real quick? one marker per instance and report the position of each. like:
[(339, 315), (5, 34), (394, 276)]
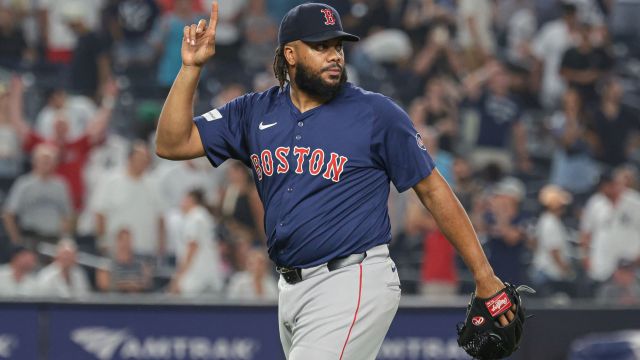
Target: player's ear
[(289, 54)]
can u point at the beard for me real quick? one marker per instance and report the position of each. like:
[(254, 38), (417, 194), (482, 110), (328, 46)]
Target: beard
[(312, 83)]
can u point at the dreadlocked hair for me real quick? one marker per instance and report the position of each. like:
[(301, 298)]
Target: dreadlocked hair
[(280, 66)]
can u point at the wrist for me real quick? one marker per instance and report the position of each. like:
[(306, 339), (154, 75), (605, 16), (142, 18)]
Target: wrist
[(484, 274), (192, 68)]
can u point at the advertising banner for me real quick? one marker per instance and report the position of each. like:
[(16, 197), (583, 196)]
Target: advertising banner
[(423, 334), (153, 333), (18, 332)]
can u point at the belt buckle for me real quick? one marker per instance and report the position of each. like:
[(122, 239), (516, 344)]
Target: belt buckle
[(290, 275)]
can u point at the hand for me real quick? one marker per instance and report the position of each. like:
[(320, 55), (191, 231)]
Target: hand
[(487, 288), (199, 41)]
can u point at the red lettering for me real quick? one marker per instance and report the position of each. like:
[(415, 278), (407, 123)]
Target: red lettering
[(300, 152), (335, 167), (256, 165), (316, 161), (281, 153), (267, 162)]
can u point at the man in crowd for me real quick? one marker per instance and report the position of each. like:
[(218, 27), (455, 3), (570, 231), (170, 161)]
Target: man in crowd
[(38, 207), (199, 261), (63, 277), (129, 199), (16, 277)]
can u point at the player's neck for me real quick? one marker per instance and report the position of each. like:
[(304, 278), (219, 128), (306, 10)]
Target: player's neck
[(303, 101)]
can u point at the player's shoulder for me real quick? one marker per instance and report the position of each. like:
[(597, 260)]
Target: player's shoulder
[(379, 103)]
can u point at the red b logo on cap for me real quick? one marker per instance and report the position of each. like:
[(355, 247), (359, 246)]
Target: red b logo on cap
[(328, 17)]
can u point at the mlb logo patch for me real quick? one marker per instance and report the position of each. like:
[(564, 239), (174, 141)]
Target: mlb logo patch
[(212, 115)]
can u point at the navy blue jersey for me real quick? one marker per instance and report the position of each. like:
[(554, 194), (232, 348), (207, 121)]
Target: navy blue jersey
[(322, 175)]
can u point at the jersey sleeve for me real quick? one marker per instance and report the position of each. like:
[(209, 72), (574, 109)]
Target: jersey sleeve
[(222, 131), (398, 146)]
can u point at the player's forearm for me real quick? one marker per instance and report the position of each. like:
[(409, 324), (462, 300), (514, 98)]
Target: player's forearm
[(439, 199), (176, 119)]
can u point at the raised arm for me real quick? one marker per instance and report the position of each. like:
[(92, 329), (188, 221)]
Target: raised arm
[(439, 199), (177, 137)]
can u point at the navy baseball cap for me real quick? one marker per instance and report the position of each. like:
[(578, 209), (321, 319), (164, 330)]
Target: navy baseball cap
[(312, 22)]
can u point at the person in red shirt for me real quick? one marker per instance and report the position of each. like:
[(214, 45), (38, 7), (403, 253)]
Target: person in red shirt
[(73, 153), (439, 274)]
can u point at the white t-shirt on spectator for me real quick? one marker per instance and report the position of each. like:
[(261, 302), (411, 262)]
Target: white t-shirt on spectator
[(551, 235), (79, 112), (205, 273), (61, 37), (482, 12), (52, 283), (9, 287), (109, 156), (242, 287), (175, 179), (134, 204), (615, 232), (549, 46)]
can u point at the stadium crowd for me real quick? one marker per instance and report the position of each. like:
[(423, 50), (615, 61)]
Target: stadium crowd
[(528, 108)]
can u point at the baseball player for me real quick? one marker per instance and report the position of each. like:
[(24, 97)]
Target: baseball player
[(322, 152)]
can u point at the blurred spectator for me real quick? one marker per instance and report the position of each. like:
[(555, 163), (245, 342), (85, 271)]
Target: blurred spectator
[(130, 199), (613, 124), (475, 34), (10, 145), (167, 37), (609, 227), (623, 288), (583, 64), (437, 57), (408, 245), (465, 184), (39, 206), (130, 22), (438, 109), (442, 158), (170, 5), (240, 205), (17, 277), (519, 26), (572, 165), (260, 32), (13, 45), (63, 277), (504, 225), (199, 268), (551, 42), (175, 179), (78, 110), (125, 273), (499, 115), (439, 275), (90, 66), (58, 40), (73, 153), (256, 282), (552, 270), (228, 31)]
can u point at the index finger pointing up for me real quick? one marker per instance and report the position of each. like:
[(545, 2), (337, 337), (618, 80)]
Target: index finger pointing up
[(213, 19)]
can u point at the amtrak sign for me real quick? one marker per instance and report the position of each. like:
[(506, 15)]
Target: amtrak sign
[(109, 343)]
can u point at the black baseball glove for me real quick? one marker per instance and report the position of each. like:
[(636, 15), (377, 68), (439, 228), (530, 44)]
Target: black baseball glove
[(481, 335)]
